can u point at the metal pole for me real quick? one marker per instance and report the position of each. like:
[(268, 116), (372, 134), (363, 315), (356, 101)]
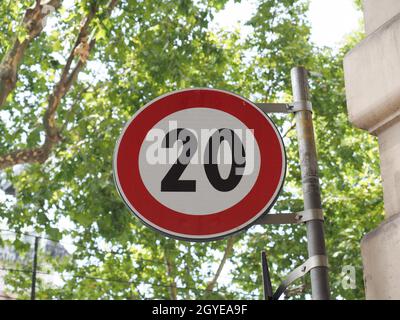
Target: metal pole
[(310, 180), (34, 269)]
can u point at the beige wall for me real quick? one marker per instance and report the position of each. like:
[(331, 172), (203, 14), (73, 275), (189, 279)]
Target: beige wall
[(389, 147), (372, 77), (381, 261), (377, 12)]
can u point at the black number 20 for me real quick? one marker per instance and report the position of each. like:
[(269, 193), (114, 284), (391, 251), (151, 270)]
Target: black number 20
[(171, 182)]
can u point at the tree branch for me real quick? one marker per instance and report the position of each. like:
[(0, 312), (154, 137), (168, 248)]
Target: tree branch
[(170, 272), (227, 252), (293, 125), (68, 77), (33, 21), (82, 47)]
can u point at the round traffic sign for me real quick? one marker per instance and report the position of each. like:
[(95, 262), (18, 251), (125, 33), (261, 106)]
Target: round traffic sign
[(199, 164)]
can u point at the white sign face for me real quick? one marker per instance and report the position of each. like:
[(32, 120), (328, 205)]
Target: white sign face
[(155, 161), (199, 164)]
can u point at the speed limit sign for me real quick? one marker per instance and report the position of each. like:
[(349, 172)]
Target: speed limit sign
[(199, 164)]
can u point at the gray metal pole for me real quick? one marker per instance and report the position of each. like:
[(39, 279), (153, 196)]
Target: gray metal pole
[(310, 180), (34, 269)]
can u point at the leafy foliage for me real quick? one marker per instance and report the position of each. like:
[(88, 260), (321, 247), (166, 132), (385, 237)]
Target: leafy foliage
[(144, 49)]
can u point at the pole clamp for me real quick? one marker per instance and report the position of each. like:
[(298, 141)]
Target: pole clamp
[(300, 271), (309, 215), (302, 105)]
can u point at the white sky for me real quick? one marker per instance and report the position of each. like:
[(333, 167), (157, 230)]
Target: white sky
[(330, 20)]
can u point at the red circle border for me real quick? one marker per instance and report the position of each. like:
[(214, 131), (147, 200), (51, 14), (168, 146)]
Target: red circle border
[(210, 226)]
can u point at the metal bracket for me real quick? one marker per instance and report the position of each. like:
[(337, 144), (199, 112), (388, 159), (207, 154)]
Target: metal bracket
[(292, 218), (311, 263), (274, 107), (300, 271), (285, 107)]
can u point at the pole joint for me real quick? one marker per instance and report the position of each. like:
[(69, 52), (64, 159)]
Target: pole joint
[(302, 105)]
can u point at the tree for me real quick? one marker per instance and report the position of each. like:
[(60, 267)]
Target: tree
[(84, 75)]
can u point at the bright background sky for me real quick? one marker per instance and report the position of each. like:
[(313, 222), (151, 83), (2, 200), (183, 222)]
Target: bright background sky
[(330, 20)]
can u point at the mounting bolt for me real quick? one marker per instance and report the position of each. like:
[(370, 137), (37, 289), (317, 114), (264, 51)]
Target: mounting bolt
[(299, 218)]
